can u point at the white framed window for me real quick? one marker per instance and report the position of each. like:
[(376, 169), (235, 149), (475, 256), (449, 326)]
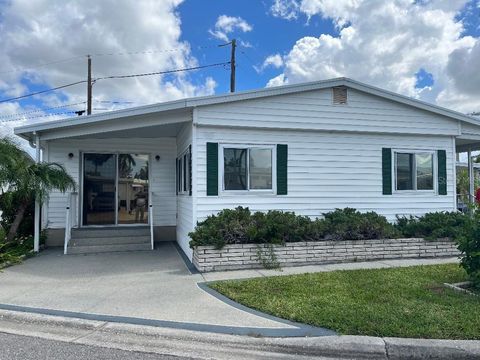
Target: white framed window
[(183, 173), (414, 171), (247, 168)]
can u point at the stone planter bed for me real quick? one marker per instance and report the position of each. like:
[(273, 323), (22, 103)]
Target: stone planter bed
[(245, 256)]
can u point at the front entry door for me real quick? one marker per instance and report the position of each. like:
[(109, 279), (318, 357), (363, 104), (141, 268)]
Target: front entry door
[(99, 189), (115, 189)]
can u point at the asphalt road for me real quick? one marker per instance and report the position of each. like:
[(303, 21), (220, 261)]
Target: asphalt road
[(13, 347)]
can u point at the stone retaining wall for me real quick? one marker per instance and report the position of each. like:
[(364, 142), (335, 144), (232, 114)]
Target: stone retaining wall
[(245, 256)]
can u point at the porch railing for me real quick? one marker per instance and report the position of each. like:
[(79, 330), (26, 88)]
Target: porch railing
[(70, 218), (150, 217)]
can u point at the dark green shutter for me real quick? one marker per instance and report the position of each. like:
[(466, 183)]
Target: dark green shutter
[(442, 172), (190, 170), (212, 169), (282, 169), (387, 171), (176, 176)]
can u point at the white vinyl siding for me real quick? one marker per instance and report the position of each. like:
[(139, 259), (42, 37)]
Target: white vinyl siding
[(184, 201), (162, 181), (314, 110), (326, 171)]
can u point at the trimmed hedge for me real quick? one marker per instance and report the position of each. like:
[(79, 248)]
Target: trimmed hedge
[(432, 226), (240, 226)]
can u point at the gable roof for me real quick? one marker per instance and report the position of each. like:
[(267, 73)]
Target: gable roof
[(190, 103)]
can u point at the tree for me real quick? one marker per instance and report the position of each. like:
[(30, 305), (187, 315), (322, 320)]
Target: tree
[(19, 173)]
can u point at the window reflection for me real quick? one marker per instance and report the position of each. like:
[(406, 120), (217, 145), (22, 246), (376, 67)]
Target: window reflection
[(133, 189)]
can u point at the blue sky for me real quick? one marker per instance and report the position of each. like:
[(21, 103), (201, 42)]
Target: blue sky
[(427, 49), (270, 35)]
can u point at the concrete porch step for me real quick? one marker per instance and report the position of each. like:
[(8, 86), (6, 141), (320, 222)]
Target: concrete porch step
[(94, 249), (110, 240), (111, 232)]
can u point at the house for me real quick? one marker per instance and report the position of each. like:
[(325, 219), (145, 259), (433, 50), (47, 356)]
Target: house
[(307, 148)]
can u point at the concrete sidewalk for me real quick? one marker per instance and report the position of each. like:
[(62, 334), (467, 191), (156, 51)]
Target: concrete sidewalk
[(381, 264)]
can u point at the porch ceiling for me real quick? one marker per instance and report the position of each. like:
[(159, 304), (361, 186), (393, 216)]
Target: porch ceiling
[(165, 124), (167, 130), (464, 143)]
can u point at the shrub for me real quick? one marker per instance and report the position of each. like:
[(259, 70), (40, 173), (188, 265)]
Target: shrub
[(13, 251), (350, 224), (469, 244), (240, 226), (227, 227), (432, 226)]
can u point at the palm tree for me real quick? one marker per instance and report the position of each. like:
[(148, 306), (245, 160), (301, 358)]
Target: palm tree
[(19, 173)]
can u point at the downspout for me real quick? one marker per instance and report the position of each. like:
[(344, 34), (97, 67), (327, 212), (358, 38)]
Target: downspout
[(36, 234)]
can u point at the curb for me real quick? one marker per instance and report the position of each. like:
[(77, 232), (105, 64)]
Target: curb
[(153, 339)]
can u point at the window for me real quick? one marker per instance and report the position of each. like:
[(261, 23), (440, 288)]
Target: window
[(414, 171), (183, 173), (247, 168)]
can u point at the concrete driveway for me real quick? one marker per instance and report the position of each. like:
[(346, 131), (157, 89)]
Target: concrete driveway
[(153, 287)]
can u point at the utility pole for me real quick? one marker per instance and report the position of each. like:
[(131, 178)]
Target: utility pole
[(232, 66), (89, 86)]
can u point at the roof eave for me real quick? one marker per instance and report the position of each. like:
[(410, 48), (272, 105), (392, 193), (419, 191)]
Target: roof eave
[(245, 95)]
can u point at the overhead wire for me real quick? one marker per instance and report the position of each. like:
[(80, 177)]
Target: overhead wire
[(41, 109), (161, 72), (43, 91), (114, 77), (37, 116)]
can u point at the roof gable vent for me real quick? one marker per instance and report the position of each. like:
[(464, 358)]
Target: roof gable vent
[(340, 95)]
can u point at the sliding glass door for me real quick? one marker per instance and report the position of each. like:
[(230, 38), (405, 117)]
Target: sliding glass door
[(115, 189), (132, 189), (99, 182)]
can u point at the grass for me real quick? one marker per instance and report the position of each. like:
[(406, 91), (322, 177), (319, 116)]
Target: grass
[(399, 302)]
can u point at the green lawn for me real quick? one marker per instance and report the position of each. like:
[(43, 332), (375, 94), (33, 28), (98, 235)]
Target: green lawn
[(401, 302)]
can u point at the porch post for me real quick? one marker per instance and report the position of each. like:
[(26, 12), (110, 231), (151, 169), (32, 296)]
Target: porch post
[(36, 234), (471, 178)]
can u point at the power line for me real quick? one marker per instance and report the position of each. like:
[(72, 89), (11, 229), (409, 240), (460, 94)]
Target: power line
[(37, 116), (147, 52), (43, 91), (41, 109), (161, 72), (114, 102), (116, 77), (44, 64)]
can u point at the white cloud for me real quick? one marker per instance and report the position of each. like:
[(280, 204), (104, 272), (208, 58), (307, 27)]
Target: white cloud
[(226, 25), (286, 9), (386, 43), (277, 81), (35, 32), (273, 60)]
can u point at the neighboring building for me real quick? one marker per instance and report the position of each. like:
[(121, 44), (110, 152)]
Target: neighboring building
[(307, 148)]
